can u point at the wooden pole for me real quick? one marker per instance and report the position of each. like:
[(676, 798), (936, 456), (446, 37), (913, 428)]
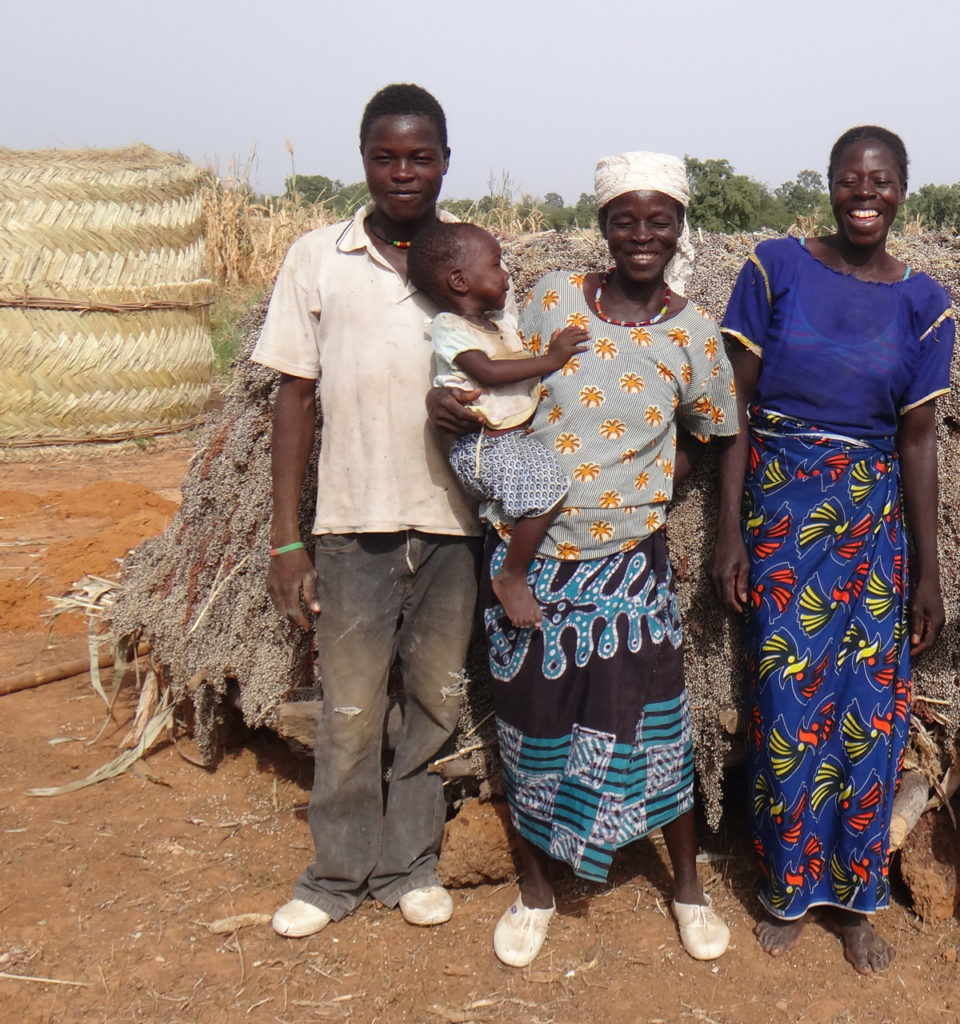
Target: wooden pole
[(908, 805), (66, 669)]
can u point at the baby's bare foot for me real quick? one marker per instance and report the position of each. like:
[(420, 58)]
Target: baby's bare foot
[(517, 599)]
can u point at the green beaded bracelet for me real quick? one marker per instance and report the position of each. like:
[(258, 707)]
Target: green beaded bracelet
[(295, 546)]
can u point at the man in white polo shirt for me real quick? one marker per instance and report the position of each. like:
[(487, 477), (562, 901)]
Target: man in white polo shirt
[(396, 540)]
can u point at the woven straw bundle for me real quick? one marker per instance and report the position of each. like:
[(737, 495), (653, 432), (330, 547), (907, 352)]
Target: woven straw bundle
[(104, 324)]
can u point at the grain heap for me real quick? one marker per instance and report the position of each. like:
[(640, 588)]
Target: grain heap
[(103, 300), (197, 592)]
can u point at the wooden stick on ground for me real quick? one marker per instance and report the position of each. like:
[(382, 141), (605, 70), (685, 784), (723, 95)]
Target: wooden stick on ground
[(66, 669), (45, 981), (909, 805)]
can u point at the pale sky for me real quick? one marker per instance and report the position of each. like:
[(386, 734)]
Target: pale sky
[(536, 90)]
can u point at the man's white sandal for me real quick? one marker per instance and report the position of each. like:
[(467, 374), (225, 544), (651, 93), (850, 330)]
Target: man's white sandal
[(298, 918), (431, 904)]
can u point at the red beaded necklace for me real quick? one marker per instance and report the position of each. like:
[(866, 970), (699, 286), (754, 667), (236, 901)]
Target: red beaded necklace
[(625, 323)]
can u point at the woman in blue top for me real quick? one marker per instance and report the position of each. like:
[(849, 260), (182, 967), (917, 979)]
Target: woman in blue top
[(840, 353)]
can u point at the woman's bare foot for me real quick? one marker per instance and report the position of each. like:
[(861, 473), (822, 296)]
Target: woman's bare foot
[(863, 948), (778, 937), (517, 599)]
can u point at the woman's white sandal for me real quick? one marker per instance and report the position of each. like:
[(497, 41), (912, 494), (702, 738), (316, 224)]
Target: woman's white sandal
[(520, 932), (703, 934)]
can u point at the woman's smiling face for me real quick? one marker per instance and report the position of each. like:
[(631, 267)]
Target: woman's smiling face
[(642, 230), (866, 191)]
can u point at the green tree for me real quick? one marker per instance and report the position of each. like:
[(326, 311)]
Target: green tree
[(722, 200), (553, 201), (559, 218), (340, 199), (585, 212), (312, 187), (803, 195), (350, 198), (460, 208), (938, 206)]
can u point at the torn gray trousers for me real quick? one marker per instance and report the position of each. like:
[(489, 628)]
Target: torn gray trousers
[(409, 595)]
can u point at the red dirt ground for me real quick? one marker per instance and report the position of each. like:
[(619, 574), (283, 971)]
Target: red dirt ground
[(110, 890)]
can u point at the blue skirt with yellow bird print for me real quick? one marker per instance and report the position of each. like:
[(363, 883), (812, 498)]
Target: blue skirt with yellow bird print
[(828, 673)]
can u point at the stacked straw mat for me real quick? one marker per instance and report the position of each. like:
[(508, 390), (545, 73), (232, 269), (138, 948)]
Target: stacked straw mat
[(104, 307)]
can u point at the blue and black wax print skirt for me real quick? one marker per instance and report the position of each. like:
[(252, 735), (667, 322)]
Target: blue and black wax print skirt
[(592, 714)]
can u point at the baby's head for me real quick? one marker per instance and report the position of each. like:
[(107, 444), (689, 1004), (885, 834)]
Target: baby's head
[(458, 267)]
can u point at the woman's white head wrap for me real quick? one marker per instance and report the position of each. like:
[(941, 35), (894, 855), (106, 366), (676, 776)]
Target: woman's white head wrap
[(650, 172)]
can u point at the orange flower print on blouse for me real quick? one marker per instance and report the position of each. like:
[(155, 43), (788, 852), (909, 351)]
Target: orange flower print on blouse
[(613, 430), (609, 420), (664, 372), (601, 530), (528, 299), (586, 472), (653, 415), (570, 367), (716, 414), (702, 405), (604, 348), (610, 499), (567, 444), (543, 392), (533, 344), (578, 320)]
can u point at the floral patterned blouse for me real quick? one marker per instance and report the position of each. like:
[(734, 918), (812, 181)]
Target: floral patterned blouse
[(610, 415)]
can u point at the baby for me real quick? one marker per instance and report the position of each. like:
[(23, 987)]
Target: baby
[(458, 267)]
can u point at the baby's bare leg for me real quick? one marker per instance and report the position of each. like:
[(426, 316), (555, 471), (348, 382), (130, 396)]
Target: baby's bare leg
[(510, 583)]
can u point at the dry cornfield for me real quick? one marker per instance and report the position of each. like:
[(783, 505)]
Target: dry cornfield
[(248, 236)]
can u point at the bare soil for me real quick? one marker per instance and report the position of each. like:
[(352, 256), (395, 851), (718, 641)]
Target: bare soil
[(108, 893)]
